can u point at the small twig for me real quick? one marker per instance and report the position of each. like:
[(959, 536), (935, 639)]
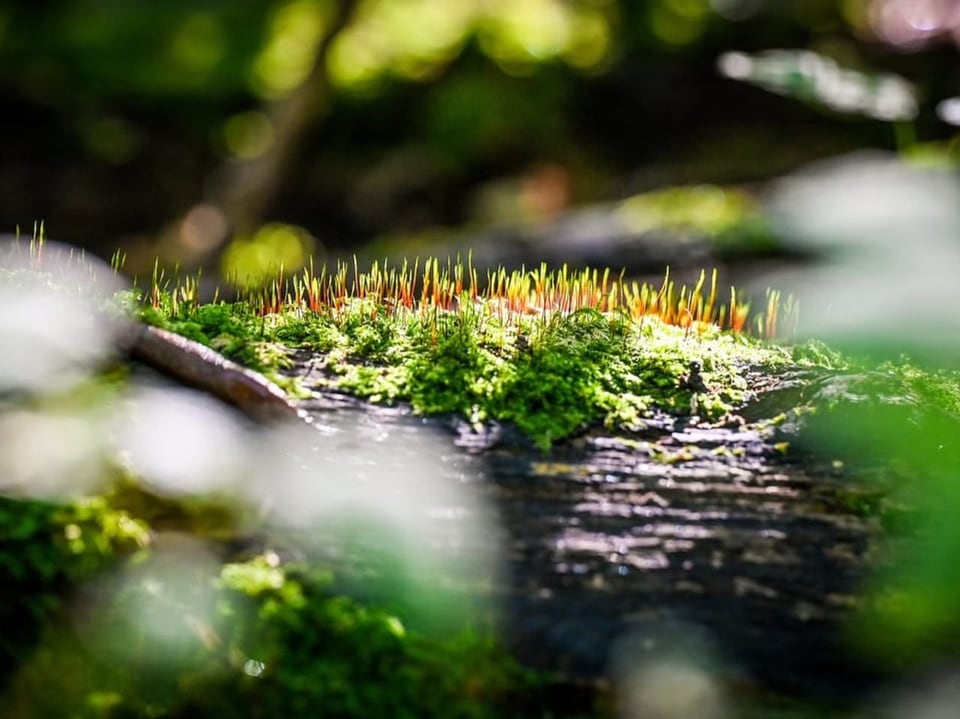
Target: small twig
[(205, 369)]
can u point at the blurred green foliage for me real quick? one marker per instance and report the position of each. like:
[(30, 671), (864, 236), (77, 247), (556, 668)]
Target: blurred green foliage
[(283, 640), (426, 102), (48, 548), (901, 422), (729, 218)]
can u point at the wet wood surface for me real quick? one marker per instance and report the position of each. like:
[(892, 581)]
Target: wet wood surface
[(622, 543)]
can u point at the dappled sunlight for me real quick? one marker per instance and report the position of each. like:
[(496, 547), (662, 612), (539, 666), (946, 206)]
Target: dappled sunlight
[(411, 38), (517, 35), (414, 39), (456, 387)]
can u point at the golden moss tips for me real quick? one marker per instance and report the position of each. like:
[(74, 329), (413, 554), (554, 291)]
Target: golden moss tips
[(449, 286), (436, 286)]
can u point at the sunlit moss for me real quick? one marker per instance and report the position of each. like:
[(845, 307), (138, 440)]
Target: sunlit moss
[(551, 352)]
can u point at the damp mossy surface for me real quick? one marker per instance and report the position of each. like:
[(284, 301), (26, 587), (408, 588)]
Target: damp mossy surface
[(550, 371)]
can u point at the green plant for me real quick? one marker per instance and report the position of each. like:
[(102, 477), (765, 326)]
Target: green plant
[(48, 548), (549, 351)]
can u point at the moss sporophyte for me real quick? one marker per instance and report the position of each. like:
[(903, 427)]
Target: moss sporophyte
[(552, 351)]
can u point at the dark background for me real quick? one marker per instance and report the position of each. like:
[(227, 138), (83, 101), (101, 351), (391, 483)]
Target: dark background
[(406, 119)]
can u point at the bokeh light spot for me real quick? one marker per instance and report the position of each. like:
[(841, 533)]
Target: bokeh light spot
[(949, 110), (813, 77), (202, 228), (198, 46), (165, 604), (52, 455), (274, 246), (678, 23), (248, 135), (291, 48), (590, 40), (53, 327), (253, 667)]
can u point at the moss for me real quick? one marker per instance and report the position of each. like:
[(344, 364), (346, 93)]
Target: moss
[(552, 374), (234, 330), (555, 377), (282, 641), (48, 548), (299, 648)]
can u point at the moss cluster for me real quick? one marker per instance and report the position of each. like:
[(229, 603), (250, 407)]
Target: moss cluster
[(49, 548), (283, 640), (551, 374)]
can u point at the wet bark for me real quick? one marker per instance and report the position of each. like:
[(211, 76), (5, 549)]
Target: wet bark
[(632, 545)]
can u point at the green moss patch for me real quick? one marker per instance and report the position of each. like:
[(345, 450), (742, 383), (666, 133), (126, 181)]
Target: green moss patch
[(552, 366), (281, 640)]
